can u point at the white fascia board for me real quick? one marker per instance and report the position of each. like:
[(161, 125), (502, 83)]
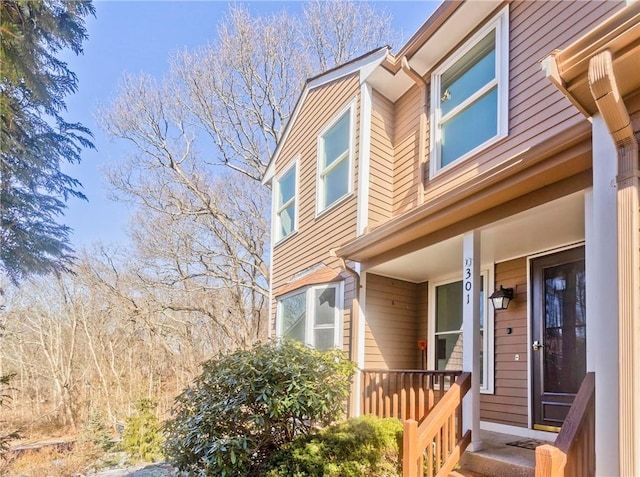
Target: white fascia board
[(365, 65)]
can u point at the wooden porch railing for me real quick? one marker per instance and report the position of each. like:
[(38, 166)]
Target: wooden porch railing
[(438, 438), (405, 394), (573, 453)]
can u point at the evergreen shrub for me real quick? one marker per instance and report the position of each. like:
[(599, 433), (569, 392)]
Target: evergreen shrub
[(142, 436), (246, 405), (361, 447)]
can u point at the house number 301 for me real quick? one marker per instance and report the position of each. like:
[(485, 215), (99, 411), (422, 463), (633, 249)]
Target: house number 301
[(467, 279)]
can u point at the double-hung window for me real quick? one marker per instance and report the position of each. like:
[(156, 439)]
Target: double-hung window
[(285, 207), (334, 161), (312, 316), (469, 96), (447, 334)]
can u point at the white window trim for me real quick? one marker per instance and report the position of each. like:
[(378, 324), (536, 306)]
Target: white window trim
[(501, 25), (310, 316), (486, 272), (296, 194), (349, 108)]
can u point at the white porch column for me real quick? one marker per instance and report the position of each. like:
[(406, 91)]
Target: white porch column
[(471, 334), (601, 262)]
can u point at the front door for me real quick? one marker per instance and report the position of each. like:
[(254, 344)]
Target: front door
[(558, 335)]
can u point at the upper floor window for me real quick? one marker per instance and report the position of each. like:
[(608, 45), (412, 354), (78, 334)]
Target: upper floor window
[(285, 207), (469, 96), (334, 161), (311, 316)]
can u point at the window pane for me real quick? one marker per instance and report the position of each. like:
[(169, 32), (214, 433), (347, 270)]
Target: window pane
[(336, 141), (293, 316), (286, 220), (449, 307), (482, 359), (336, 182), (449, 351), (323, 339), (287, 187), (325, 306), (470, 128), (474, 70)]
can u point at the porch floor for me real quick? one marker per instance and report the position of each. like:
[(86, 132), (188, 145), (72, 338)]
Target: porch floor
[(497, 459)]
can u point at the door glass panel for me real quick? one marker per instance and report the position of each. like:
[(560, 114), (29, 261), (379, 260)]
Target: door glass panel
[(564, 327)]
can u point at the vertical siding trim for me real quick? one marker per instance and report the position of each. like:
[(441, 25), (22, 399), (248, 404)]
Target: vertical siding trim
[(360, 335), (271, 323), (364, 159)]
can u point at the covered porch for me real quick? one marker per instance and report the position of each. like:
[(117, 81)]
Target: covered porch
[(423, 327)]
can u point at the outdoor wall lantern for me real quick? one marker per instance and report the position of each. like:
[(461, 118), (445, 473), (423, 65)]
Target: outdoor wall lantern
[(501, 298)]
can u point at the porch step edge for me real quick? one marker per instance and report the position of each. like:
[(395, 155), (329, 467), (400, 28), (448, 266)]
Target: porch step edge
[(491, 465)]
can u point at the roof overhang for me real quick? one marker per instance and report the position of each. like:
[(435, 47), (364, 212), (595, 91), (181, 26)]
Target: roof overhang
[(568, 69), (492, 195), (445, 28)]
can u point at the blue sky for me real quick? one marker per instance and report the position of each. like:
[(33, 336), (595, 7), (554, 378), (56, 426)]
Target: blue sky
[(138, 37)]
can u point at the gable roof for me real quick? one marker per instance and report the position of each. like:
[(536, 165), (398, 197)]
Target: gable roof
[(438, 35), (364, 65)]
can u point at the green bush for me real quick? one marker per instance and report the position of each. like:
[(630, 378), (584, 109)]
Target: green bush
[(361, 447), (142, 436), (246, 405), (96, 433)]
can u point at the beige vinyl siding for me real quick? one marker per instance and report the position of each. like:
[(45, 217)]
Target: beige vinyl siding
[(406, 168), (391, 328), (315, 237), (537, 109), (509, 403), (381, 160)]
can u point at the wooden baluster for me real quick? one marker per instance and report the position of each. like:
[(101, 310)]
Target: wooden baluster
[(397, 384), (403, 398), (412, 398), (421, 400)]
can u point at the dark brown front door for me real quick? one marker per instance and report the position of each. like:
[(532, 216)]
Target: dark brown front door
[(558, 335)]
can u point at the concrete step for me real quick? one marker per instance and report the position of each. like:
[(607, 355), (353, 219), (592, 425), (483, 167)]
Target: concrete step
[(497, 459), (465, 473)]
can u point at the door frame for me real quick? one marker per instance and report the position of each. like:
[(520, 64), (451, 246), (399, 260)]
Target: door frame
[(530, 258)]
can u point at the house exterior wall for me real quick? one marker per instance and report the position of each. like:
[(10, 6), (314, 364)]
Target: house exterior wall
[(537, 110), (397, 313), (316, 236), (381, 160), (391, 326), (509, 402), (406, 170)]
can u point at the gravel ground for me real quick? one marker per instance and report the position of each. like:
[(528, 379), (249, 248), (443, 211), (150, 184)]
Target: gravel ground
[(148, 470)]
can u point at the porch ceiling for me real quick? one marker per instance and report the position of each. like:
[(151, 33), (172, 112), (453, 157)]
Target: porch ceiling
[(551, 225)]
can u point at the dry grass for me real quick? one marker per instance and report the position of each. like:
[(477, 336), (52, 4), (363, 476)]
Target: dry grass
[(51, 462)]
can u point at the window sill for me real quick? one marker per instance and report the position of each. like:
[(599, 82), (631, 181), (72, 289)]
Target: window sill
[(465, 159), (285, 238), (334, 205)]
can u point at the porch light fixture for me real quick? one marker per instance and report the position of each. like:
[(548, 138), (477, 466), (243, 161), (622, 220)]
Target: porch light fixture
[(501, 298)]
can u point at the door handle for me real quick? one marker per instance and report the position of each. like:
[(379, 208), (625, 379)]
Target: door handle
[(536, 345)]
